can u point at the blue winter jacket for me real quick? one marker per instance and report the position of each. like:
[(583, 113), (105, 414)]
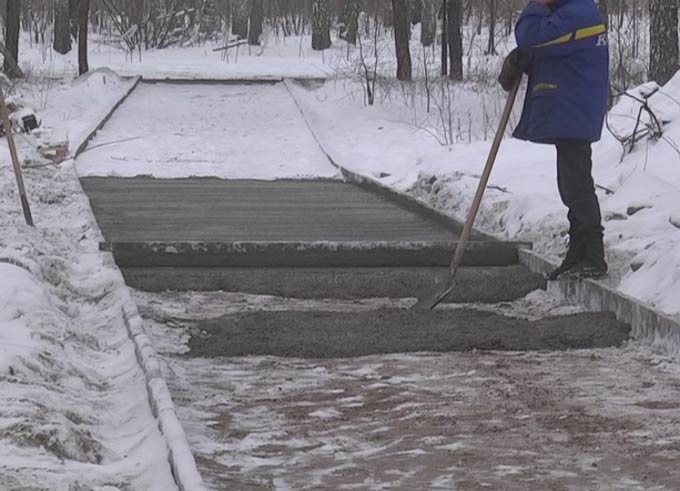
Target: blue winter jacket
[(569, 71)]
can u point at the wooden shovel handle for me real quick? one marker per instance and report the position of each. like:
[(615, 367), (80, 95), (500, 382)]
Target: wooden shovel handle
[(15, 159), (484, 181)]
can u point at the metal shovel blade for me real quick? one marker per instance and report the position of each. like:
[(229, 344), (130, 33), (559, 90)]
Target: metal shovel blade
[(431, 302)]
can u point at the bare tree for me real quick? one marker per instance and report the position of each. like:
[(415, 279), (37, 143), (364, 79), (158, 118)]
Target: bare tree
[(239, 18), (491, 48), (455, 38), (428, 26), (321, 24), (663, 38), (62, 27), (12, 38), (256, 20), (83, 18), (350, 18), (402, 29)]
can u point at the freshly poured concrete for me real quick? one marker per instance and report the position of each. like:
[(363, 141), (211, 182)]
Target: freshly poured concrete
[(213, 210), (485, 285), (319, 334)]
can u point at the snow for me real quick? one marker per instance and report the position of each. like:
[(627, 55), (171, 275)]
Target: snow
[(227, 131), (20, 296), (74, 407)]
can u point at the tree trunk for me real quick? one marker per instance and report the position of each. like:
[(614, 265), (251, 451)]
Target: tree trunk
[(256, 19), (604, 9), (73, 17), (239, 18), (428, 27), (12, 37), (321, 34), (62, 27), (455, 39), (445, 37), (663, 62), (350, 17), (415, 9), (402, 26), (83, 16), (491, 48)]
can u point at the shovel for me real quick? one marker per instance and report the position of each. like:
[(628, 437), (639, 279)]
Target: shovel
[(431, 303)]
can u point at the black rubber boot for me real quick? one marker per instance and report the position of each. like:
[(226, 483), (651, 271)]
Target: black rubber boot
[(593, 263), (575, 254)]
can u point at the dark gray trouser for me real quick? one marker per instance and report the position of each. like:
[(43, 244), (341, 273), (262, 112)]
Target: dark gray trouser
[(576, 185)]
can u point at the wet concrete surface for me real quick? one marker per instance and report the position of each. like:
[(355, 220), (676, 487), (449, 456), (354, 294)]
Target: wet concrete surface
[(485, 285), (217, 210), (318, 334)]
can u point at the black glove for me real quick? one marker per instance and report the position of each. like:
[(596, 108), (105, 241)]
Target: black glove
[(515, 64)]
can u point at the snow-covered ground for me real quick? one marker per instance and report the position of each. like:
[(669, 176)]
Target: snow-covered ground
[(228, 131), (74, 409)]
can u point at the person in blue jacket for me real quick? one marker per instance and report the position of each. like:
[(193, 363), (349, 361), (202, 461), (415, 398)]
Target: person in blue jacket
[(562, 45)]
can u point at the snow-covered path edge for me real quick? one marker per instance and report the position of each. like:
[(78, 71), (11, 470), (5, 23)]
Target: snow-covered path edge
[(647, 324), (181, 459)]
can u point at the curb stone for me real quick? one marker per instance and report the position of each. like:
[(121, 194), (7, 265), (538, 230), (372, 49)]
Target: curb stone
[(647, 324), (83, 145), (181, 459)]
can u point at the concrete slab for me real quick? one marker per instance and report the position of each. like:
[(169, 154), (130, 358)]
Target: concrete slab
[(485, 285), (203, 209), (319, 334)]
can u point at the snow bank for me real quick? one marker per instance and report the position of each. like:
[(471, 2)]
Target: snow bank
[(74, 410), (20, 296), (639, 192)]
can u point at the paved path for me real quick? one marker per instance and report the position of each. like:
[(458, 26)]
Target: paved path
[(213, 210)]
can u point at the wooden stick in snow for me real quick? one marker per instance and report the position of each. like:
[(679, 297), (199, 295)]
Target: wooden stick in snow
[(15, 159)]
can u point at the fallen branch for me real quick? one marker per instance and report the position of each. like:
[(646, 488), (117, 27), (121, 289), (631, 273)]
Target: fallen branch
[(240, 42)]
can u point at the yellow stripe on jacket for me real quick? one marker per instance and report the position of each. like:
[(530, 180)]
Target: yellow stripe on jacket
[(582, 33)]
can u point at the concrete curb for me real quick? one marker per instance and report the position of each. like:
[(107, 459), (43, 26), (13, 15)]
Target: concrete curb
[(83, 145), (181, 459), (647, 324)]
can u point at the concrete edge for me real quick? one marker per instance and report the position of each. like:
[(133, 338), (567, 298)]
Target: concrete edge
[(399, 198), (83, 145), (647, 324), (180, 457)]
